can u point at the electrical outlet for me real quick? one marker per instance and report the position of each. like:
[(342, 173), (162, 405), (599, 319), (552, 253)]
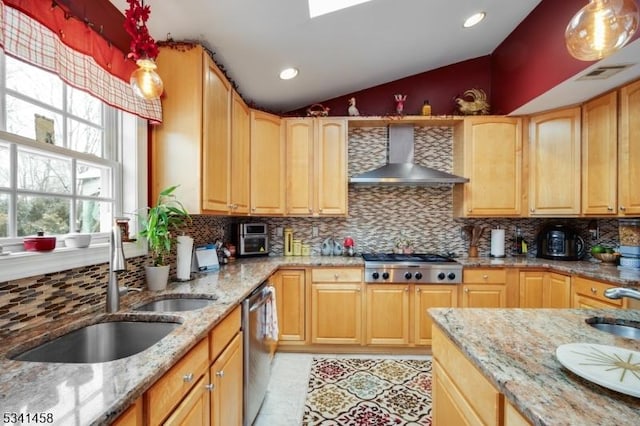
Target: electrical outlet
[(314, 231), (279, 231)]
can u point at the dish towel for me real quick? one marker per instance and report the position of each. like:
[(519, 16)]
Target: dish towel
[(271, 316)]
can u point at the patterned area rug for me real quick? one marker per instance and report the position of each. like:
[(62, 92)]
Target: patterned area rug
[(368, 392)]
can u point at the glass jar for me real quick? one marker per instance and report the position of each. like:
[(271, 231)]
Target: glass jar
[(629, 230)]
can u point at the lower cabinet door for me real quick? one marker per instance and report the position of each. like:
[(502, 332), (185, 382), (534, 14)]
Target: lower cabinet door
[(336, 313), (227, 378), (430, 296), (194, 408), (484, 296), (387, 308)]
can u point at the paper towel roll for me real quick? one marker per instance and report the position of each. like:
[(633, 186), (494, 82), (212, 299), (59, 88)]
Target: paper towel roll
[(185, 246), (497, 242)]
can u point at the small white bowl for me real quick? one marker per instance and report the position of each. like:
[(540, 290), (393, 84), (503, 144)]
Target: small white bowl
[(77, 240)]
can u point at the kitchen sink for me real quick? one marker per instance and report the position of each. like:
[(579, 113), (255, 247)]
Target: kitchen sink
[(101, 342), (177, 304), (620, 327)]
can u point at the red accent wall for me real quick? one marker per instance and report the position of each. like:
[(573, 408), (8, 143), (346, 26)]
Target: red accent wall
[(440, 86), (534, 58)]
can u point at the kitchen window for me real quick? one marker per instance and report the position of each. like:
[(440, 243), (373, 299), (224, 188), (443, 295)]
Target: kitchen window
[(64, 157)]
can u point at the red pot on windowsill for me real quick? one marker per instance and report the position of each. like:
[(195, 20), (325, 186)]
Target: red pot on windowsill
[(39, 243)]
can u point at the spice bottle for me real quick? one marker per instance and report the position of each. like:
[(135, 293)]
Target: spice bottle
[(426, 108)]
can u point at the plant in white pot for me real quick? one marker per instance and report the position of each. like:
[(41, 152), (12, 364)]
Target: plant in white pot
[(159, 226)]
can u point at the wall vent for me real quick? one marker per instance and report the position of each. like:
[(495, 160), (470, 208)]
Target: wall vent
[(604, 72)]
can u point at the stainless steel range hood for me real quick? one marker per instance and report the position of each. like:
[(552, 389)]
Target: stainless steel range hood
[(401, 169)]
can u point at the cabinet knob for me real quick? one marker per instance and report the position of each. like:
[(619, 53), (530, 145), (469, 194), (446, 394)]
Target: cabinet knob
[(406, 289), (594, 290), (310, 210), (220, 373), (253, 209), (466, 290), (188, 378), (609, 208), (622, 208), (485, 276), (336, 276), (210, 387), (532, 210), (469, 210), (418, 290)]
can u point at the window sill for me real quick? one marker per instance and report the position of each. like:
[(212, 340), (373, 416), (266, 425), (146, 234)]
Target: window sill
[(24, 264)]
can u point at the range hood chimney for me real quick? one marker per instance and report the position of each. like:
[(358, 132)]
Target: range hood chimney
[(400, 168)]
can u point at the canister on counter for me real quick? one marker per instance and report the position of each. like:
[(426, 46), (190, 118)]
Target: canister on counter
[(288, 241), (297, 247), (306, 250)]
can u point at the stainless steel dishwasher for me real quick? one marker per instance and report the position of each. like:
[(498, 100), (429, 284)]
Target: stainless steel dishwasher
[(257, 357)]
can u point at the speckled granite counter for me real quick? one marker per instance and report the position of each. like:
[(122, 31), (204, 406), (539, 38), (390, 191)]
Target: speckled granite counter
[(596, 270), (83, 394), (515, 350)]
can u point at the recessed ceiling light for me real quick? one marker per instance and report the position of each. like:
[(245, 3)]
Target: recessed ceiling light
[(288, 73), (322, 7), (474, 19)]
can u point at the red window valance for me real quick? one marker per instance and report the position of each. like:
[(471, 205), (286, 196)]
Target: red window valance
[(43, 34)]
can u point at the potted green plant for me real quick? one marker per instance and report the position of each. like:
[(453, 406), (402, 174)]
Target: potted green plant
[(159, 226)]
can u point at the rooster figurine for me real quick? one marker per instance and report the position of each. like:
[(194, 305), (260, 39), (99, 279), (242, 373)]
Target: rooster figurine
[(353, 111), (477, 105)]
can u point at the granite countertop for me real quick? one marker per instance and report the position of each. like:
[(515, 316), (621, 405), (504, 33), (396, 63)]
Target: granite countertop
[(83, 394), (515, 350)]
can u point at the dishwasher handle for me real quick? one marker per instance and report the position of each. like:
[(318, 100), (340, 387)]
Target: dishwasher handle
[(255, 305)]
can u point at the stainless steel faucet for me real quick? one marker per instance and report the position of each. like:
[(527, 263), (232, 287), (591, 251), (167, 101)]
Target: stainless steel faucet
[(117, 264), (620, 292)]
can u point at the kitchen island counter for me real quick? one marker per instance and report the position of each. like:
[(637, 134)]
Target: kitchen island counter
[(515, 350)]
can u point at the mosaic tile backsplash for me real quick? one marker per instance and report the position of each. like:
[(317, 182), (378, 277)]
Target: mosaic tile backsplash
[(378, 216)]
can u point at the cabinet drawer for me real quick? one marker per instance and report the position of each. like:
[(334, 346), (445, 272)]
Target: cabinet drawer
[(223, 333), (482, 276), (337, 275), (481, 396), (594, 290), (167, 392)]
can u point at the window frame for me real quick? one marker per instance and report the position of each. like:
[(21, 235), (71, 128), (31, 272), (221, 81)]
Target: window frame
[(127, 158)]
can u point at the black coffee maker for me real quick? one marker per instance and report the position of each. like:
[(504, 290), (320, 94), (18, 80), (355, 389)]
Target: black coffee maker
[(560, 242)]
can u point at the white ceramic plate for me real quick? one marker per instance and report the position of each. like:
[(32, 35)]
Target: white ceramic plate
[(609, 366)]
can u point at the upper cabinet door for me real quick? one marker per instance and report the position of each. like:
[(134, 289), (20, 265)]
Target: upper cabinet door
[(267, 165), (490, 155), (216, 143), (300, 136), (240, 156), (331, 167), (554, 163), (629, 150), (599, 156)]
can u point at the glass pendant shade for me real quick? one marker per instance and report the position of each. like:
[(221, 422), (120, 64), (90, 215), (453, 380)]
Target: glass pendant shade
[(145, 81), (600, 28)]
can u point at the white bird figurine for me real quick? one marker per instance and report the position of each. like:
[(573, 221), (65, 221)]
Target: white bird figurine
[(352, 107)]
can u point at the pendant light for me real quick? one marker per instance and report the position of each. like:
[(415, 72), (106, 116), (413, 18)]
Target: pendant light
[(600, 28), (145, 81)]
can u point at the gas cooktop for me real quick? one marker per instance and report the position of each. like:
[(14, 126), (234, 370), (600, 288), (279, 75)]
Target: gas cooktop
[(425, 268)]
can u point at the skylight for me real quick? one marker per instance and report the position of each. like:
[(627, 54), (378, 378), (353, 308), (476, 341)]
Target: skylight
[(322, 7)]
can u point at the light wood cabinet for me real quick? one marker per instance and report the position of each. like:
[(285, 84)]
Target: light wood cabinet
[(599, 156), (290, 304), (336, 306), (461, 393), (488, 151), (190, 147), (194, 408), (227, 379), (133, 416), (430, 296), (387, 314), (483, 288), (587, 293), (554, 163), (543, 289), (162, 398), (240, 176), (629, 151), (316, 178), (267, 165)]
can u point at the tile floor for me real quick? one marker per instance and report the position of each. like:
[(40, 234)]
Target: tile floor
[(287, 392)]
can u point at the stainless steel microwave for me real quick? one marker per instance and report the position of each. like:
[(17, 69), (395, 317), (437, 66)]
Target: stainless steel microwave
[(251, 239)]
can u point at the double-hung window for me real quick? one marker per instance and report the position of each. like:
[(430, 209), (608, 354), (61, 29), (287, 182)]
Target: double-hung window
[(61, 159)]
